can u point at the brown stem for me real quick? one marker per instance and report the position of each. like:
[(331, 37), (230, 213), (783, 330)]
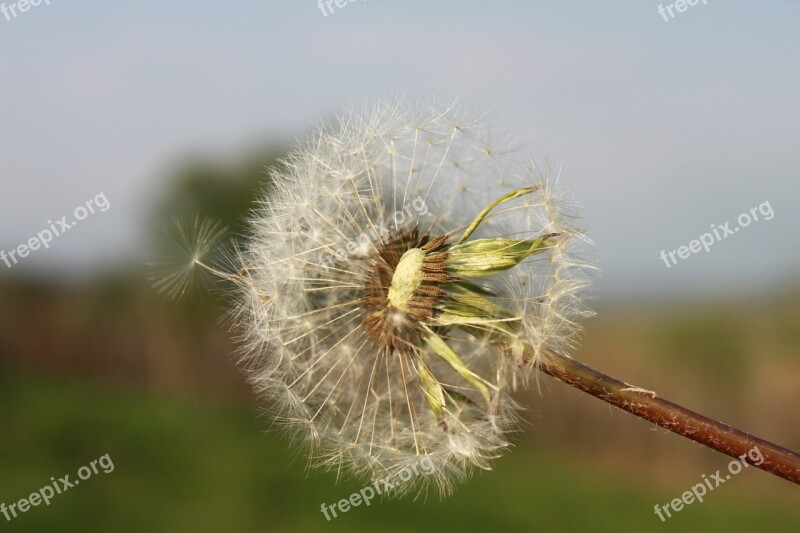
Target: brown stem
[(647, 405)]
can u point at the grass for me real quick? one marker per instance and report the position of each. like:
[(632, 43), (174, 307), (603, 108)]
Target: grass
[(194, 465)]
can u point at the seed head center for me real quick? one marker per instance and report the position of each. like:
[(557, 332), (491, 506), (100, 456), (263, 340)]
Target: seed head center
[(406, 279)]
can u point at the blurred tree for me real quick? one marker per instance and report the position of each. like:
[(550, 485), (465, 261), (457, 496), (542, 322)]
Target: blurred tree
[(221, 191)]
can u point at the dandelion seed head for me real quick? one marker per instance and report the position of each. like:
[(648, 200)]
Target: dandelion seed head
[(381, 320)]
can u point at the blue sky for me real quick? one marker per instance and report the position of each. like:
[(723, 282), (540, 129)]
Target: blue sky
[(663, 128)]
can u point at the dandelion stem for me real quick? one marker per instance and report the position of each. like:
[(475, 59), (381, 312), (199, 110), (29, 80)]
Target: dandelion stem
[(647, 405)]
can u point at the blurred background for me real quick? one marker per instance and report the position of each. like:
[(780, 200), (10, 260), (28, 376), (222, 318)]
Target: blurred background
[(661, 126)]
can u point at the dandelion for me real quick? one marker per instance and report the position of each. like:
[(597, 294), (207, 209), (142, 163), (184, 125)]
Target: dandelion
[(406, 273), (379, 350)]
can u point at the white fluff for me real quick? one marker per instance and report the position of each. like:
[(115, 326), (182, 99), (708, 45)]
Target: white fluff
[(358, 409)]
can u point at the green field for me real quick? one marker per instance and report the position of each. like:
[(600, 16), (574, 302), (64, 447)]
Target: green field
[(189, 465)]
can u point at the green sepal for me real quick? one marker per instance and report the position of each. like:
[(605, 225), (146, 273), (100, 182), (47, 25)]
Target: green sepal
[(484, 257), (444, 351), (516, 193), (432, 389)]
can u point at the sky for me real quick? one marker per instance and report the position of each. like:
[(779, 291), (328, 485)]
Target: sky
[(661, 128)]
